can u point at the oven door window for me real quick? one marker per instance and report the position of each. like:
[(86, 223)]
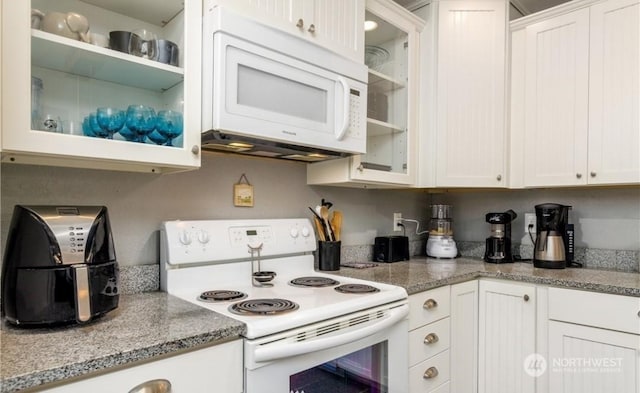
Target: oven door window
[(364, 371)]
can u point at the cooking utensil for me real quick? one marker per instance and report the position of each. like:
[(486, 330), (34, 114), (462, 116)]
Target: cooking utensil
[(324, 213), (320, 228), (326, 203), (336, 224)]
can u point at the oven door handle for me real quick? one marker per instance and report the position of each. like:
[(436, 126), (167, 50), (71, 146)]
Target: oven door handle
[(275, 351)]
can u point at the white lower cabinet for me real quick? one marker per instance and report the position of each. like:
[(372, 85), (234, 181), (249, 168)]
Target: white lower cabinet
[(213, 369), (584, 359), (507, 318), (429, 338), (464, 337), (594, 342)]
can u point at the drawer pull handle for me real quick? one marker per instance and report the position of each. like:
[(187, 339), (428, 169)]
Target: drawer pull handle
[(579, 175), (431, 338), (526, 298), (593, 174), (429, 304), (431, 372), (312, 28), (153, 386), (300, 23)]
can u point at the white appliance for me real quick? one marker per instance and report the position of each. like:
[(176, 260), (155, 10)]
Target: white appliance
[(269, 93), (325, 339), (441, 246)]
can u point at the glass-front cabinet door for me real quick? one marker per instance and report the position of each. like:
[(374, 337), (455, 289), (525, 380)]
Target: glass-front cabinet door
[(392, 56), (102, 83)]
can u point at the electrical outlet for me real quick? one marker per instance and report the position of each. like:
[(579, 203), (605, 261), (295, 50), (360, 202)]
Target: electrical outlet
[(397, 219), (529, 219)]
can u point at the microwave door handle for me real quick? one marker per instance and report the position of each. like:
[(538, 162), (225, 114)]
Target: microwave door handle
[(342, 130), (279, 351)]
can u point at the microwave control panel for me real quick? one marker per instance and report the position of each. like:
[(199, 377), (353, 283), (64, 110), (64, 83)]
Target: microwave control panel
[(355, 113)]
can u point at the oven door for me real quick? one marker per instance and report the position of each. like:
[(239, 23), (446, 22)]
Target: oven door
[(365, 351), (260, 93)]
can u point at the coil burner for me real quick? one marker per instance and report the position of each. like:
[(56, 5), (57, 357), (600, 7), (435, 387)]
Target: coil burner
[(315, 282), (356, 288), (221, 296), (263, 307)]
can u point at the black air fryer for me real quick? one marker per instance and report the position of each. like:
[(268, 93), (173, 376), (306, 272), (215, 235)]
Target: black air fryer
[(59, 266)]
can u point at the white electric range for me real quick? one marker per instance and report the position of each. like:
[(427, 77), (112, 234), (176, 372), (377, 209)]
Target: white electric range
[(299, 323)]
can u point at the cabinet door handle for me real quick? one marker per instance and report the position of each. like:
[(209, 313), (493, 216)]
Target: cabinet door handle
[(300, 23), (593, 174), (361, 168), (312, 28), (526, 298), (195, 149), (153, 386), (639, 313), (431, 372), (499, 177), (429, 304), (431, 338), (579, 175)]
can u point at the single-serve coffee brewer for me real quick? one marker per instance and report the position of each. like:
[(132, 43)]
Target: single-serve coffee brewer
[(498, 245), (554, 242)]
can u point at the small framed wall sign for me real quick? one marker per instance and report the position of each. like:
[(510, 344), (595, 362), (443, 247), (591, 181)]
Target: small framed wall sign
[(243, 192)]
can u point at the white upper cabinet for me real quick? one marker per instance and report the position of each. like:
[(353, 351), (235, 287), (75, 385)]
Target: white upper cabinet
[(614, 93), (392, 51), (557, 61), (334, 24), (51, 83), (462, 138), (575, 97)]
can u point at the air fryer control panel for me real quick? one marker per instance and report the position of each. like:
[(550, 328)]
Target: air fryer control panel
[(71, 226)]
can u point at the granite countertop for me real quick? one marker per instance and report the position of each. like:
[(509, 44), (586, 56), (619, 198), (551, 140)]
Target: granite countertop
[(143, 326), (421, 274)]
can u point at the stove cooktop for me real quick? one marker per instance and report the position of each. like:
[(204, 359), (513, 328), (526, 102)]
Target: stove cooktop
[(191, 267)]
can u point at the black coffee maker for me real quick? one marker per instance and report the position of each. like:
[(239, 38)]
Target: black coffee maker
[(59, 266), (498, 245), (554, 237)]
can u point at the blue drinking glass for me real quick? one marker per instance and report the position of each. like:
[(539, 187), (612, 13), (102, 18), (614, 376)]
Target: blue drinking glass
[(141, 119), (157, 138), (86, 127), (127, 134), (111, 120), (95, 127), (169, 124)]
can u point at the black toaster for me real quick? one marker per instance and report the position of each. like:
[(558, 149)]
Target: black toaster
[(391, 249)]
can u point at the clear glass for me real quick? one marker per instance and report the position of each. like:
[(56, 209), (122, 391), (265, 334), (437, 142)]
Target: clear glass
[(364, 371), (72, 78), (386, 57)]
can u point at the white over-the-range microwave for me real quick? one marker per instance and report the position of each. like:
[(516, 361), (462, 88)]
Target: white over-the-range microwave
[(269, 93)]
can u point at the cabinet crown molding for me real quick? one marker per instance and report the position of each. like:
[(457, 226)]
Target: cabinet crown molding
[(564, 8)]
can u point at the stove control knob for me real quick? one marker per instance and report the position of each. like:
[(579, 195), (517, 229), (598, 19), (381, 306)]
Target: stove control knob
[(185, 238), (203, 237), (294, 232), (305, 232)]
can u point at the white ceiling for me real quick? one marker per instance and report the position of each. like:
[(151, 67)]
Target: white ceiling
[(525, 6)]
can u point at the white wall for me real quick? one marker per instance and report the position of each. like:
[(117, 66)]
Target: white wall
[(603, 217), (139, 202)]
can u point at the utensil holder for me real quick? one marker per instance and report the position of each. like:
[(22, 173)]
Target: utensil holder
[(329, 255)]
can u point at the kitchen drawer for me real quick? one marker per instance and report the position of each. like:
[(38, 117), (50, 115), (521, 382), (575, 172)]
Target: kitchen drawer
[(418, 383), (429, 306), (614, 312), (419, 347)]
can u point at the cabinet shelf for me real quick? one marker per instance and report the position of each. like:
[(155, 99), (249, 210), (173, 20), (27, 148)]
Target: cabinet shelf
[(379, 82), (377, 127), (79, 58)]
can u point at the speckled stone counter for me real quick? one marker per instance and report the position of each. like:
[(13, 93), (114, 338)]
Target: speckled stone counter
[(142, 327), (421, 274)]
